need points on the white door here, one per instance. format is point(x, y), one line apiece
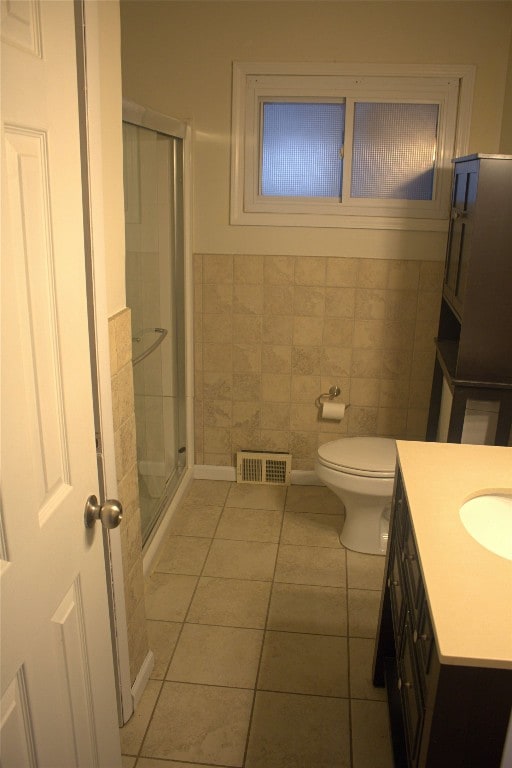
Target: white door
point(57, 682)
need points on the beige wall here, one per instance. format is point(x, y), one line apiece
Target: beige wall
point(274, 332)
point(283, 313)
point(177, 59)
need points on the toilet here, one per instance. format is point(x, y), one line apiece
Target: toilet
point(361, 472)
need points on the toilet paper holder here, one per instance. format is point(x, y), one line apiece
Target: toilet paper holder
point(333, 392)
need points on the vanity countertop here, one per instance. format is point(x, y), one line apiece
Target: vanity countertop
point(469, 589)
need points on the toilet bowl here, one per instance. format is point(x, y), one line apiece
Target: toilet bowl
point(361, 472)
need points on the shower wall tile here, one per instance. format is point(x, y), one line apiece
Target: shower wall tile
point(248, 269)
point(310, 270)
point(342, 272)
point(120, 337)
point(217, 269)
point(278, 270)
point(404, 274)
point(373, 273)
point(277, 331)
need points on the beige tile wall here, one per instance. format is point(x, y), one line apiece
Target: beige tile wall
point(273, 332)
point(128, 490)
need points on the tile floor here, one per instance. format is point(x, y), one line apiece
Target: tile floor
point(263, 627)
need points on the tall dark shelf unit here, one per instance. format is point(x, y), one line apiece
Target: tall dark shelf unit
point(474, 341)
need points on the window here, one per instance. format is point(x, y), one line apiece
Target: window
point(330, 148)
point(301, 149)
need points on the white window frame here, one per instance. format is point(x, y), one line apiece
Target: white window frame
point(449, 86)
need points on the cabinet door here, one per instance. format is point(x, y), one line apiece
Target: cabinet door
point(459, 240)
point(410, 695)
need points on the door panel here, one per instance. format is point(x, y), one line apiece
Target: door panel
point(57, 683)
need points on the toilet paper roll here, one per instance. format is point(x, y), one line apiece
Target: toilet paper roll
point(333, 411)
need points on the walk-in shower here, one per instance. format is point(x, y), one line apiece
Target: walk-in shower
point(155, 292)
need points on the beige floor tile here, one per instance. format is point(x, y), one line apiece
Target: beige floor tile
point(241, 560)
point(316, 610)
point(183, 554)
point(201, 723)
point(311, 529)
point(207, 492)
point(162, 638)
point(314, 499)
point(250, 524)
point(312, 664)
point(365, 571)
point(296, 730)
point(192, 520)
point(217, 656)
point(168, 596)
point(128, 761)
point(363, 612)
point(133, 732)
point(361, 662)
point(371, 738)
point(321, 566)
point(230, 602)
point(256, 496)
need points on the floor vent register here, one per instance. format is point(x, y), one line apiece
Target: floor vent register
point(263, 467)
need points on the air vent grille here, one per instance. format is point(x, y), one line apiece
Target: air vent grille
point(262, 467)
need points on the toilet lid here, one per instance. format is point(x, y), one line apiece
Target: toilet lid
point(368, 456)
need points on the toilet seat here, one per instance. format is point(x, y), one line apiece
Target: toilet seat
point(362, 456)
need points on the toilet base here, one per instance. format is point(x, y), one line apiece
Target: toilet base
point(367, 502)
point(368, 532)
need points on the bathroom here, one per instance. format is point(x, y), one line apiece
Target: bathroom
point(322, 296)
point(282, 312)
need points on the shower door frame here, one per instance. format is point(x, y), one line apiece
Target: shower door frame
point(146, 118)
point(142, 117)
point(138, 115)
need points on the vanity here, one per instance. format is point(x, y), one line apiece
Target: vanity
point(444, 640)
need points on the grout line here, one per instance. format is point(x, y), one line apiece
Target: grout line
point(349, 676)
point(251, 714)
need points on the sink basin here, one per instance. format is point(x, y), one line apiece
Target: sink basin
point(488, 519)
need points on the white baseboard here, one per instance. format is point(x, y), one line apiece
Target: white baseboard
point(211, 472)
point(305, 477)
point(142, 678)
point(151, 548)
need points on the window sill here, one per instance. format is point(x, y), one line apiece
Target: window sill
point(338, 220)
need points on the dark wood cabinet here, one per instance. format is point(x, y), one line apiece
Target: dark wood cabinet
point(474, 341)
point(442, 715)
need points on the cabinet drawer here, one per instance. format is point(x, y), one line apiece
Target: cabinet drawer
point(410, 694)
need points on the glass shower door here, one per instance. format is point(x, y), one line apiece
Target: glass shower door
point(153, 180)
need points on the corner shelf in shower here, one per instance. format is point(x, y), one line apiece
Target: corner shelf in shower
point(162, 333)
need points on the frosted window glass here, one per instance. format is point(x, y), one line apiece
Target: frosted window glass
point(394, 151)
point(301, 149)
